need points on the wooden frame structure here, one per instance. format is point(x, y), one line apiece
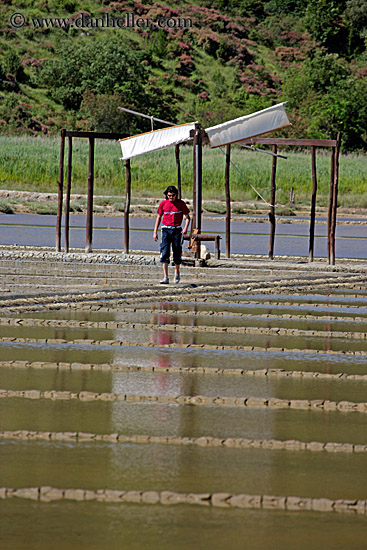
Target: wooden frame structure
point(91, 136)
point(199, 137)
point(334, 182)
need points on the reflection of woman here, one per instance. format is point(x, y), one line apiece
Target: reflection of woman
point(164, 336)
point(166, 358)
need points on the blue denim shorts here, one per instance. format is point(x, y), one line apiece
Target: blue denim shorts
point(171, 237)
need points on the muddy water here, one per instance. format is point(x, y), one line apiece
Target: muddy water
point(182, 384)
point(256, 308)
point(93, 465)
point(164, 337)
point(184, 468)
point(248, 320)
point(166, 528)
point(184, 358)
point(253, 320)
point(161, 419)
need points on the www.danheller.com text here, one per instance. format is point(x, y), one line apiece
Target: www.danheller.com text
point(84, 21)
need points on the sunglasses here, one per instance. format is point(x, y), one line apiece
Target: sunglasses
point(171, 194)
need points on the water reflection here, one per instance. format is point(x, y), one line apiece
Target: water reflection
point(160, 383)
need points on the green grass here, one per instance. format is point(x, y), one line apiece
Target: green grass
point(41, 208)
point(216, 208)
point(32, 164)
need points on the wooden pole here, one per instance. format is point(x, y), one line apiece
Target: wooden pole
point(198, 173)
point(228, 201)
point(68, 191)
point(127, 206)
point(313, 204)
point(330, 210)
point(194, 150)
point(60, 191)
point(178, 166)
point(272, 202)
point(335, 201)
point(89, 228)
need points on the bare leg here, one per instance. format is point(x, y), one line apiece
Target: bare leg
point(177, 268)
point(165, 270)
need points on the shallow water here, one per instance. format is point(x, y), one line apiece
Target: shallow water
point(135, 527)
point(181, 384)
point(163, 337)
point(256, 308)
point(184, 421)
point(182, 468)
point(164, 357)
point(197, 320)
point(93, 465)
point(263, 308)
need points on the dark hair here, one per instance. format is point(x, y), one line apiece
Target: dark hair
point(171, 189)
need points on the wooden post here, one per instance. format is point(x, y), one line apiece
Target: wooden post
point(198, 174)
point(335, 201)
point(60, 191)
point(198, 184)
point(68, 190)
point(272, 202)
point(217, 247)
point(127, 206)
point(228, 201)
point(193, 225)
point(313, 204)
point(330, 210)
point(178, 166)
point(89, 225)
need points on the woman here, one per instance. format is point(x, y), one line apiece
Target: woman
point(172, 210)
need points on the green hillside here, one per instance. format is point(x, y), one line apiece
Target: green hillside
point(209, 61)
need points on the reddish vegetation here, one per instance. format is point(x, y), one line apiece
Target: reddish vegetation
point(257, 80)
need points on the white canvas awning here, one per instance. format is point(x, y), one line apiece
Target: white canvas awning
point(246, 127)
point(153, 141)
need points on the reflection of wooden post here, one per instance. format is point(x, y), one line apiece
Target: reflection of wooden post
point(335, 201)
point(127, 206)
point(178, 166)
point(217, 247)
point(330, 210)
point(89, 232)
point(68, 191)
point(60, 191)
point(272, 202)
point(193, 225)
point(197, 194)
point(228, 201)
point(199, 171)
point(313, 204)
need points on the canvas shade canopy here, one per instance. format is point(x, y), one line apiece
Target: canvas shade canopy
point(155, 140)
point(248, 126)
point(232, 131)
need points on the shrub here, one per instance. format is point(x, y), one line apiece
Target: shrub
point(216, 208)
point(5, 207)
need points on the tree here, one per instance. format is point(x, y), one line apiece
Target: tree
point(326, 98)
point(103, 66)
point(355, 18)
point(324, 21)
